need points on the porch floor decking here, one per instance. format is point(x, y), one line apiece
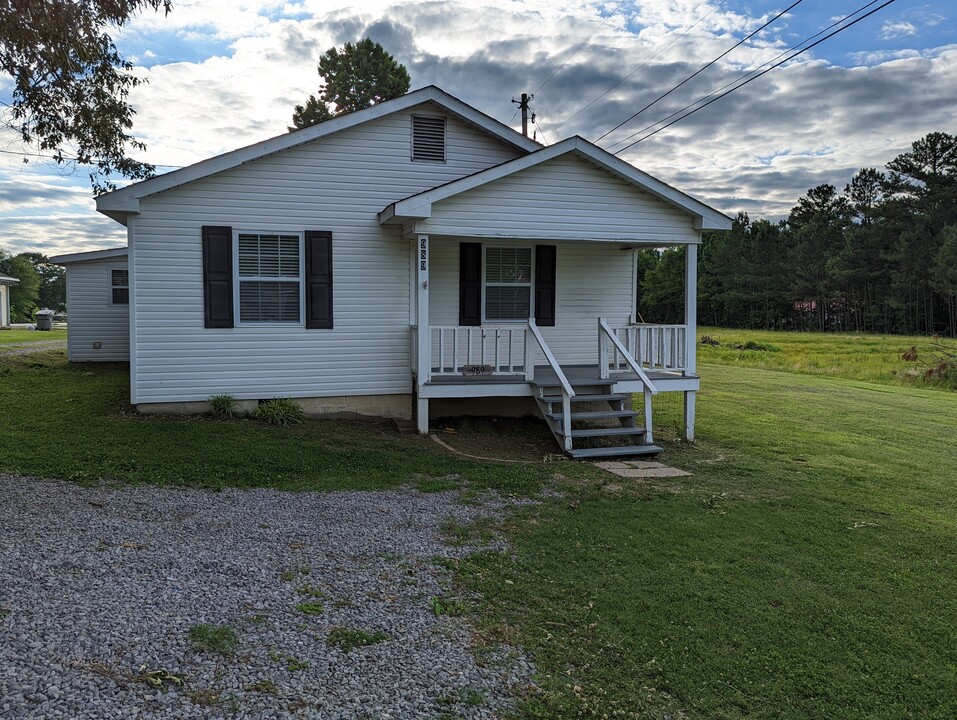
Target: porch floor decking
point(544, 375)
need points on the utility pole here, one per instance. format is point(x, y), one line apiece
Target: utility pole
point(523, 106)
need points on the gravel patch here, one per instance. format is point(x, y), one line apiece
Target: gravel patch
point(99, 588)
point(34, 347)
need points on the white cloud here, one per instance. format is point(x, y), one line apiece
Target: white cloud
point(758, 150)
point(891, 30)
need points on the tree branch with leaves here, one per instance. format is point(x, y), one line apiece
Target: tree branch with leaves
point(71, 84)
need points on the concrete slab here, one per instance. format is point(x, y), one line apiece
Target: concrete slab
point(640, 469)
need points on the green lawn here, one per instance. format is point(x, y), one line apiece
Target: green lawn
point(805, 570)
point(857, 356)
point(73, 420)
point(25, 337)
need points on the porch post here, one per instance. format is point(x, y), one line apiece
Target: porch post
point(423, 336)
point(691, 327)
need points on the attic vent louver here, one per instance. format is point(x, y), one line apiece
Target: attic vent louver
point(428, 138)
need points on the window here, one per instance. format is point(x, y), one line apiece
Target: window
point(508, 283)
point(428, 138)
point(119, 286)
point(269, 270)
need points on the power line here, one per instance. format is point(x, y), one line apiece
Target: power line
point(72, 159)
point(672, 42)
point(763, 72)
point(584, 43)
point(741, 77)
point(700, 70)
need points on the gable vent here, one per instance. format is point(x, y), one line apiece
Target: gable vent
point(428, 138)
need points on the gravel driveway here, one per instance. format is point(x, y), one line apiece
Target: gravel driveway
point(99, 588)
point(33, 347)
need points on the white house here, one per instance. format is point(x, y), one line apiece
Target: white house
point(98, 305)
point(6, 282)
point(411, 259)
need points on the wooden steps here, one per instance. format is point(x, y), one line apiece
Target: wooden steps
point(625, 439)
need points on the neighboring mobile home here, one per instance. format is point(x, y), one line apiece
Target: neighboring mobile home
point(98, 305)
point(414, 258)
point(6, 282)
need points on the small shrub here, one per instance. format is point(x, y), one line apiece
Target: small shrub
point(708, 340)
point(220, 639)
point(348, 639)
point(222, 406)
point(281, 412)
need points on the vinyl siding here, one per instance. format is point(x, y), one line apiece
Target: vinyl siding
point(565, 198)
point(338, 183)
point(592, 280)
point(90, 315)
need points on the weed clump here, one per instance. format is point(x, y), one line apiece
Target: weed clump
point(281, 412)
point(220, 639)
point(348, 639)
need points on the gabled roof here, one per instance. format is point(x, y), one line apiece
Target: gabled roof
point(7, 280)
point(118, 203)
point(89, 255)
point(419, 206)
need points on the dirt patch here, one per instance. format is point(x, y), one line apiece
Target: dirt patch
point(501, 438)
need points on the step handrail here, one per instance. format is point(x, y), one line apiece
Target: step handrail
point(603, 327)
point(566, 386)
point(567, 391)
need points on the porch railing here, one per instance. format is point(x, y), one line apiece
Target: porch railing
point(655, 347)
point(458, 349)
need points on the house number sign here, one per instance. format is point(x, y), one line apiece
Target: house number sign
point(423, 254)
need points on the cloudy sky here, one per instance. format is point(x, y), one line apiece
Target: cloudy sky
point(227, 73)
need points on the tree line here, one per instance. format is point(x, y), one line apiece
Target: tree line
point(881, 256)
point(42, 284)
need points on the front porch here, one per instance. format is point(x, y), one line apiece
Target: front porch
point(524, 280)
point(510, 361)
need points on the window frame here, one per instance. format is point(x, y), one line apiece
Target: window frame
point(238, 280)
point(111, 287)
point(531, 283)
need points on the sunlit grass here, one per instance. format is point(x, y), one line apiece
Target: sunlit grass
point(874, 358)
point(25, 337)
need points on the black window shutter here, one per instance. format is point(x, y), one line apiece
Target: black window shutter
point(318, 279)
point(470, 283)
point(218, 276)
point(545, 285)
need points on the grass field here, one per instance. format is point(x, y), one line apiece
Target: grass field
point(856, 356)
point(25, 337)
point(804, 570)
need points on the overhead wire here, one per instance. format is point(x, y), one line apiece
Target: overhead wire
point(629, 75)
point(70, 159)
point(699, 70)
point(583, 44)
point(717, 96)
